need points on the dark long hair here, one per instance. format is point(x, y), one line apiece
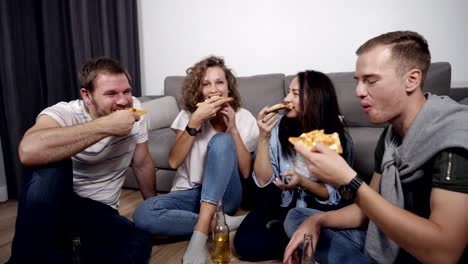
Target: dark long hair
point(319, 110)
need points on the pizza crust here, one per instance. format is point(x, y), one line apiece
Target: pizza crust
point(278, 107)
point(219, 98)
point(138, 111)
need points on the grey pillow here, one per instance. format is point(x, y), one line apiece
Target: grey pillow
point(161, 112)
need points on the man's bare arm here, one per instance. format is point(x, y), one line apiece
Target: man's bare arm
point(143, 168)
point(440, 239)
point(48, 142)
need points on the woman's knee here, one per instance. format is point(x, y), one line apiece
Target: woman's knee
point(147, 216)
point(296, 217)
point(220, 143)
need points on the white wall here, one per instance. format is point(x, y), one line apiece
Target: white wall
point(287, 36)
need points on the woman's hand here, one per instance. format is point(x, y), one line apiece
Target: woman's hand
point(310, 226)
point(229, 117)
point(294, 180)
point(266, 122)
point(207, 111)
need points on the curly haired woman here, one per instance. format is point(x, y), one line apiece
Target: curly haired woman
point(212, 150)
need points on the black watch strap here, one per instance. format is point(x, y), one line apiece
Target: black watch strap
point(192, 131)
point(348, 191)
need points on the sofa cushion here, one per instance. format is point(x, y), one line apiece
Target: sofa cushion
point(160, 142)
point(260, 90)
point(464, 101)
point(438, 78)
point(161, 112)
point(173, 87)
point(256, 91)
point(364, 140)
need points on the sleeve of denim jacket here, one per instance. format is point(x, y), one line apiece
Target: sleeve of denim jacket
point(274, 158)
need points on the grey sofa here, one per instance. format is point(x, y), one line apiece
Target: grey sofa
point(262, 90)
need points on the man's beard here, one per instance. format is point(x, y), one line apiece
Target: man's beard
point(99, 111)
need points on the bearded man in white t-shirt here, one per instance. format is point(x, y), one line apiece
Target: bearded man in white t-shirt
point(78, 153)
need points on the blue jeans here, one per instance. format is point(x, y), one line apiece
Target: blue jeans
point(176, 213)
point(334, 246)
point(51, 217)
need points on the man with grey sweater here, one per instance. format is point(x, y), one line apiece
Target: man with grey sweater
point(415, 204)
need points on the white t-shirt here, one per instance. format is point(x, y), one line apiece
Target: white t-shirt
point(190, 173)
point(98, 171)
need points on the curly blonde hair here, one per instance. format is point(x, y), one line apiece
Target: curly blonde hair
point(192, 85)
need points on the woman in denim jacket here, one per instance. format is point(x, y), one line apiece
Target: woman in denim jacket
point(315, 106)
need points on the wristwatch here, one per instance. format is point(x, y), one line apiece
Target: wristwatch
point(192, 131)
point(348, 191)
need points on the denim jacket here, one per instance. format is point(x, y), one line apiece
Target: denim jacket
point(281, 163)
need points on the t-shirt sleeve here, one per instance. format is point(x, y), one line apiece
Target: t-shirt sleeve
point(181, 121)
point(450, 170)
point(61, 112)
point(142, 126)
point(379, 151)
point(248, 129)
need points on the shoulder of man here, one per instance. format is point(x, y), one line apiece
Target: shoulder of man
point(450, 170)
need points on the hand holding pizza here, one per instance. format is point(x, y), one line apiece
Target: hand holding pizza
point(326, 164)
point(119, 123)
point(266, 121)
point(208, 109)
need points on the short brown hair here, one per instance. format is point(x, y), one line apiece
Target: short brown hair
point(409, 50)
point(90, 70)
point(191, 87)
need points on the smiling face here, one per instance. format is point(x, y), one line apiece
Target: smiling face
point(215, 83)
point(111, 92)
point(293, 98)
point(379, 85)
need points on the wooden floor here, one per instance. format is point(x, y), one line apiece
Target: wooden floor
point(164, 253)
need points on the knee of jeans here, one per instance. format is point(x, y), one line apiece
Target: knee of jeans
point(49, 186)
point(220, 143)
point(295, 218)
point(146, 217)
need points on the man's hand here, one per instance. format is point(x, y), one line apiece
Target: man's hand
point(310, 226)
point(326, 164)
point(266, 122)
point(119, 123)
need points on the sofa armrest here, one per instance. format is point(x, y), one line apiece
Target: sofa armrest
point(161, 112)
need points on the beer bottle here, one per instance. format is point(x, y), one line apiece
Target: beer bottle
point(222, 252)
point(308, 256)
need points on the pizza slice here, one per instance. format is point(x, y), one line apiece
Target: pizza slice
point(138, 111)
point(279, 106)
point(219, 98)
point(311, 138)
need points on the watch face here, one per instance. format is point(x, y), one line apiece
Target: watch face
point(345, 192)
point(191, 131)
